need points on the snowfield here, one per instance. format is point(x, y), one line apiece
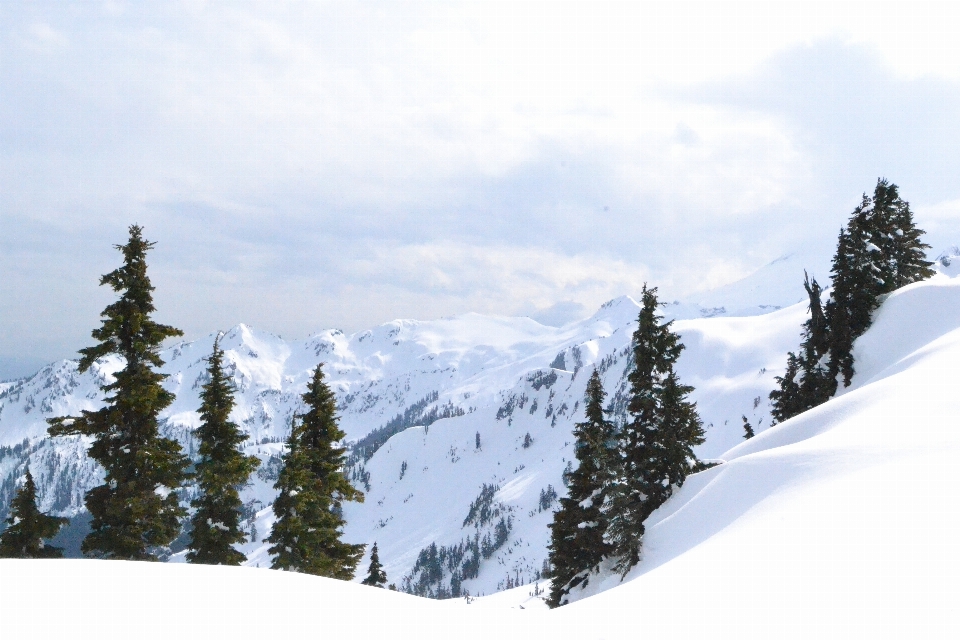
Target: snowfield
point(841, 522)
point(435, 387)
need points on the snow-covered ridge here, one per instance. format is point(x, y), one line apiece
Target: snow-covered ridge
point(838, 522)
point(434, 386)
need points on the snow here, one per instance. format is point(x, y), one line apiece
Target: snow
point(838, 522)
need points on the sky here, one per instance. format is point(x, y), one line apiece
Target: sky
point(303, 166)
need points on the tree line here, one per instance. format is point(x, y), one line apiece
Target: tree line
point(136, 512)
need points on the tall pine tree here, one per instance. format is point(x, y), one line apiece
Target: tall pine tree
point(312, 485)
point(222, 470)
point(816, 383)
point(878, 252)
point(577, 544)
point(27, 527)
point(376, 576)
point(903, 253)
point(136, 510)
point(656, 444)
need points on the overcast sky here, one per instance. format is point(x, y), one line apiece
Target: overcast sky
point(305, 166)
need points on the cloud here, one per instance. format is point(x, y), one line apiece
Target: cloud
point(339, 164)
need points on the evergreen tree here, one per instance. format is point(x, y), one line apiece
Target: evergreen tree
point(136, 511)
point(312, 485)
point(656, 444)
point(903, 253)
point(878, 252)
point(577, 542)
point(222, 470)
point(816, 384)
point(747, 429)
point(376, 576)
point(27, 527)
point(786, 398)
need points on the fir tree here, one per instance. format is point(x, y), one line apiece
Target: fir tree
point(785, 400)
point(136, 511)
point(903, 254)
point(27, 527)
point(376, 576)
point(816, 383)
point(312, 485)
point(747, 429)
point(222, 470)
point(878, 252)
point(577, 542)
point(656, 444)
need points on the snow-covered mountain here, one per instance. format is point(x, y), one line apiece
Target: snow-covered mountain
point(415, 398)
point(837, 523)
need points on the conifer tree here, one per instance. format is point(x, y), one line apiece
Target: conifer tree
point(747, 429)
point(656, 444)
point(878, 252)
point(786, 398)
point(903, 253)
point(27, 527)
point(376, 576)
point(312, 485)
point(135, 511)
point(222, 470)
point(577, 544)
point(816, 383)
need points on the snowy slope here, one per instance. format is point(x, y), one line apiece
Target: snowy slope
point(841, 521)
point(838, 523)
point(434, 386)
point(501, 378)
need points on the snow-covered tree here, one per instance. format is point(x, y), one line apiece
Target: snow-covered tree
point(136, 510)
point(312, 485)
point(376, 576)
point(577, 544)
point(894, 232)
point(27, 527)
point(747, 429)
point(655, 446)
point(878, 252)
point(222, 470)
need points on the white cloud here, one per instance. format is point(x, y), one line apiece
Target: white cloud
point(434, 158)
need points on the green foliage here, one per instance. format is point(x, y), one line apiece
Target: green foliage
point(312, 485)
point(747, 429)
point(376, 576)
point(878, 252)
point(136, 511)
point(222, 470)
point(786, 398)
point(656, 445)
point(577, 544)
point(27, 527)
point(817, 382)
